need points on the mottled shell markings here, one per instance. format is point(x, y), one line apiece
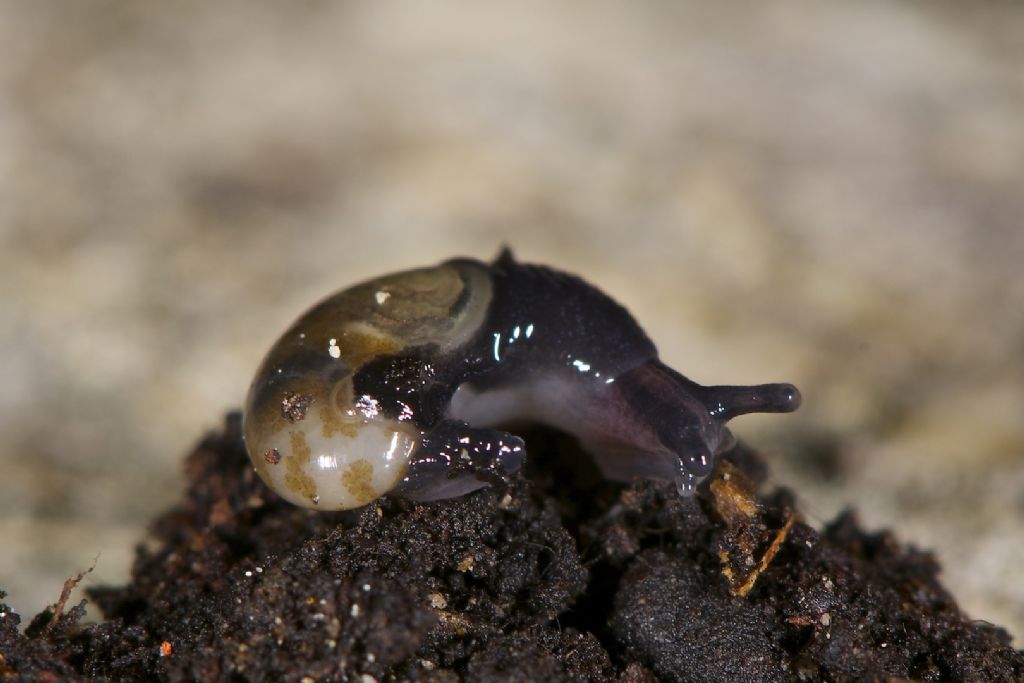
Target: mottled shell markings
point(358, 481)
point(396, 385)
point(307, 424)
point(297, 479)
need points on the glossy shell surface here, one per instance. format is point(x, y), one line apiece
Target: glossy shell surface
point(310, 438)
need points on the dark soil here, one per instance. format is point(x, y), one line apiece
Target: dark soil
point(561, 577)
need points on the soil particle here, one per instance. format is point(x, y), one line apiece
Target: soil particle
point(688, 629)
point(294, 406)
point(561, 577)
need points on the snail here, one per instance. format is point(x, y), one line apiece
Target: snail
point(397, 386)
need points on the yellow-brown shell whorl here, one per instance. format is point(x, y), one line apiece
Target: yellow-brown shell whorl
point(309, 437)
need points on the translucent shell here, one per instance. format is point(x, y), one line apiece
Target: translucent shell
point(309, 437)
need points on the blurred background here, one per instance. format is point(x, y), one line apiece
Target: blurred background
point(824, 193)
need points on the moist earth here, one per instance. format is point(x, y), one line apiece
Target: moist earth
point(562, 576)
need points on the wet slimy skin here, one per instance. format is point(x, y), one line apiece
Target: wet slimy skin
point(396, 386)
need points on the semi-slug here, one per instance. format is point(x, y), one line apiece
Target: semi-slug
point(395, 386)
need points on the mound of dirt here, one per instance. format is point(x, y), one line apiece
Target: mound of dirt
point(563, 576)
